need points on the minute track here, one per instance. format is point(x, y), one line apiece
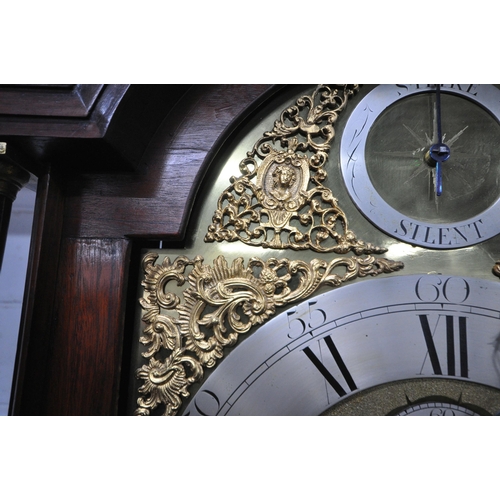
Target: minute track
point(378, 338)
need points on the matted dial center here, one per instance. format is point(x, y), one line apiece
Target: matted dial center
point(400, 149)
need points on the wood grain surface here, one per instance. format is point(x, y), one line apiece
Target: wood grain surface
point(91, 219)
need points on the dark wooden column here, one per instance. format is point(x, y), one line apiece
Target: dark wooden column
point(100, 199)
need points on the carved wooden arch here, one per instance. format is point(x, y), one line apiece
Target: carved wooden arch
point(88, 216)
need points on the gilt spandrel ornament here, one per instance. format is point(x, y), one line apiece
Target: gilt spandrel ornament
point(280, 201)
point(496, 269)
point(186, 332)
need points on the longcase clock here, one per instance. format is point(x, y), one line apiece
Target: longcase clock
point(341, 261)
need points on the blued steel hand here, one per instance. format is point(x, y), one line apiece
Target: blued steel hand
point(438, 152)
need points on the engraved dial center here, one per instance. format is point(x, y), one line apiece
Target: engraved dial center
point(400, 148)
point(437, 409)
point(387, 163)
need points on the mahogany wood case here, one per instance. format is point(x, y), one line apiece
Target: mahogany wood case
point(118, 168)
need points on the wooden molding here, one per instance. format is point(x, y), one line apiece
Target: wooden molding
point(58, 110)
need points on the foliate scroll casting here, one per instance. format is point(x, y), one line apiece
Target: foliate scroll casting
point(186, 331)
point(496, 269)
point(280, 201)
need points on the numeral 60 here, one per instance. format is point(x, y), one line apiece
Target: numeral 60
point(432, 288)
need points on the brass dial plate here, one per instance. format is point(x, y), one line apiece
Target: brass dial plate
point(358, 337)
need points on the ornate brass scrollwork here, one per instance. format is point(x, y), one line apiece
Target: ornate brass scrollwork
point(496, 269)
point(280, 201)
point(185, 335)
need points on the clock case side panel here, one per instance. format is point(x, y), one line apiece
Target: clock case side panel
point(73, 363)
